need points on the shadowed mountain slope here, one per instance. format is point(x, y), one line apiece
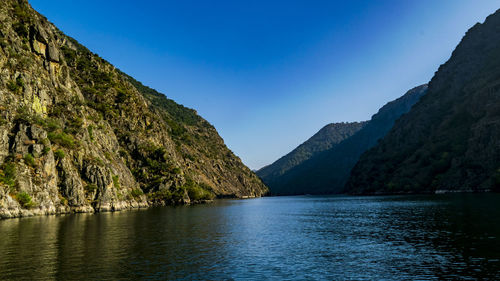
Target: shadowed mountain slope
point(451, 139)
point(328, 171)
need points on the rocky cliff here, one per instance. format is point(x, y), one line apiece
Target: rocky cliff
point(78, 135)
point(450, 140)
point(327, 171)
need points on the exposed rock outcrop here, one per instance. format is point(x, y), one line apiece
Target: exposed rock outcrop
point(78, 135)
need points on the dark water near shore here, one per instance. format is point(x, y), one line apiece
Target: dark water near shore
point(305, 238)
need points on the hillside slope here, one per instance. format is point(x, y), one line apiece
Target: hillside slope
point(76, 134)
point(328, 171)
point(329, 136)
point(451, 139)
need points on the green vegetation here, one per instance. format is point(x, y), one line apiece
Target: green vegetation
point(15, 85)
point(29, 160)
point(20, 29)
point(62, 139)
point(171, 196)
point(116, 182)
point(59, 154)
point(23, 115)
point(177, 113)
point(25, 200)
point(195, 191)
point(64, 201)
point(198, 191)
point(90, 130)
point(25, 62)
point(74, 125)
point(136, 193)
point(21, 12)
point(69, 55)
point(23, 17)
point(158, 166)
point(8, 174)
point(122, 95)
point(12, 86)
point(50, 125)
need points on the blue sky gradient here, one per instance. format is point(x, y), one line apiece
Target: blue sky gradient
point(269, 74)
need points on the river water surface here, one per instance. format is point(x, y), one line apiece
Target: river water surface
point(277, 238)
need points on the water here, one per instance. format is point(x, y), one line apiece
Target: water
point(302, 238)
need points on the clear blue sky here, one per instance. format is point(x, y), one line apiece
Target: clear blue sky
point(269, 74)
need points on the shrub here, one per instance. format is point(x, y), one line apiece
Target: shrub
point(29, 160)
point(23, 115)
point(59, 154)
point(62, 139)
point(8, 174)
point(12, 86)
point(122, 96)
point(90, 129)
point(20, 29)
point(25, 200)
point(197, 191)
point(20, 82)
point(51, 125)
point(21, 12)
point(69, 55)
point(172, 196)
point(76, 122)
point(45, 150)
point(116, 182)
point(136, 192)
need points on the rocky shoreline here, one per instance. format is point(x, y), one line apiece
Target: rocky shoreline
point(14, 210)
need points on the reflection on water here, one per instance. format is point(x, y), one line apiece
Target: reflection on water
point(399, 237)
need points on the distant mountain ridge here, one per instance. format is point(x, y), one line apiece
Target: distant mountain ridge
point(327, 171)
point(326, 138)
point(450, 140)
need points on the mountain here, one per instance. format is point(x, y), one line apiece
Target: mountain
point(78, 135)
point(326, 138)
point(327, 171)
point(450, 140)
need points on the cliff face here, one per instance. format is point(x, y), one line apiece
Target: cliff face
point(324, 139)
point(76, 134)
point(451, 139)
point(328, 171)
